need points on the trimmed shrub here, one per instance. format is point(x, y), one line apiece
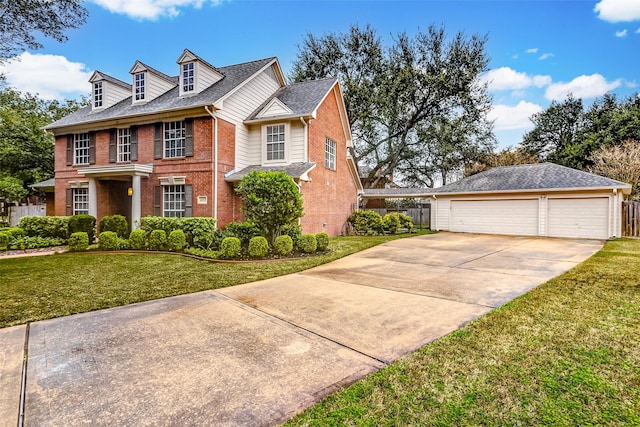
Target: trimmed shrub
point(46, 226)
point(108, 241)
point(83, 222)
point(366, 222)
point(177, 241)
point(243, 231)
point(292, 230)
point(138, 240)
point(199, 231)
point(115, 223)
point(406, 222)
point(78, 241)
point(230, 247)
point(283, 245)
point(5, 239)
point(308, 243)
point(36, 242)
point(322, 239)
point(258, 247)
point(157, 240)
point(123, 244)
point(14, 232)
point(391, 222)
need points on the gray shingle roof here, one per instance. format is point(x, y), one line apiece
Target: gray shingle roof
point(301, 98)
point(234, 75)
point(49, 184)
point(529, 177)
point(115, 81)
point(294, 170)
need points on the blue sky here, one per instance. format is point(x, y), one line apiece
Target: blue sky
point(540, 50)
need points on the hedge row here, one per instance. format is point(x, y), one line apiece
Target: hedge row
point(367, 222)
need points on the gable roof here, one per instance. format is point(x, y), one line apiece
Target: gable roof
point(301, 98)
point(99, 76)
point(541, 176)
point(234, 76)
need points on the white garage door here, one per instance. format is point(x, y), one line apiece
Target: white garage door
point(581, 218)
point(495, 216)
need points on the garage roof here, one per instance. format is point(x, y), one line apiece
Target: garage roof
point(541, 176)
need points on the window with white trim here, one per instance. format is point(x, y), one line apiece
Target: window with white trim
point(188, 77)
point(80, 200)
point(329, 153)
point(124, 145)
point(139, 86)
point(81, 149)
point(275, 142)
point(173, 201)
point(97, 95)
point(174, 139)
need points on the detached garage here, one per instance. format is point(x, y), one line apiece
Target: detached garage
point(532, 200)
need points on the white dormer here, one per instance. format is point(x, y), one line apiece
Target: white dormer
point(196, 74)
point(148, 83)
point(107, 91)
point(274, 108)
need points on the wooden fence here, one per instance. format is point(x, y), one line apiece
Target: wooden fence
point(631, 219)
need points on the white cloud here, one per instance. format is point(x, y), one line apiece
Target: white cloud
point(151, 9)
point(618, 10)
point(50, 76)
point(532, 50)
point(506, 78)
point(621, 33)
point(545, 56)
point(508, 117)
point(638, 31)
point(581, 87)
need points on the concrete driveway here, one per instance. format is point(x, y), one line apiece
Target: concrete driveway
point(256, 354)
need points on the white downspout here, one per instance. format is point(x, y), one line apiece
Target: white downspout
point(214, 160)
point(306, 140)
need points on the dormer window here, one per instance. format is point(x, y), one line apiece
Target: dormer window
point(97, 95)
point(139, 86)
point(188, 77)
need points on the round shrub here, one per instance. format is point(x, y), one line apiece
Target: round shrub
point(78, 241)
point(308, 243)
point(5, 239)
point(366, 222)
point(258, 247)
point(177, 241)
point(83, 222)
point(138, 240)
point(283, 245)
point(322, 240)
point(157, 240)
point(391, 222)
point(230, 247)
point(108, 241)
point(123, 243)
point(116, 223)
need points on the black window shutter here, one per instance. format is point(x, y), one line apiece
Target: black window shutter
point(69, 192)
point(92, 148)
point(157, 200)
point(188, 200)
point(157, 141)
point(113, 134)
point(188, 138)
point(134, 143)
point(69, 150)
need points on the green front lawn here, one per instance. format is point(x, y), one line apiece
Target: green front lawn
point(38, 288)
point(566, 353)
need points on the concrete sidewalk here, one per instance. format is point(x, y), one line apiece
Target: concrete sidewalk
point(256, 354)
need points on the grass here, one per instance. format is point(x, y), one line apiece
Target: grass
point(566, 353)
point(38, 288)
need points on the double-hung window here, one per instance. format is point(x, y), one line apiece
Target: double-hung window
point(81, 149)
point(173, 201)
point(275, 142)
point(97, 95)
point(139, 86)
point(188, 77)
point(124, 145)
point(80, 201)
point(329, 153)
point(174, 139)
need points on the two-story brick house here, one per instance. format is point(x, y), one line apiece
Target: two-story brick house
point(176, 146)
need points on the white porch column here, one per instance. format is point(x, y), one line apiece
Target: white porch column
point(136, 202)
point(93, 199)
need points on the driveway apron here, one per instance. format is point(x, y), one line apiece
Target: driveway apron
point(256, 354)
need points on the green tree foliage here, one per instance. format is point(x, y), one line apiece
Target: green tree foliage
point(26, 150)
point(20, 20)
point(271, 200)
point(416, 108)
